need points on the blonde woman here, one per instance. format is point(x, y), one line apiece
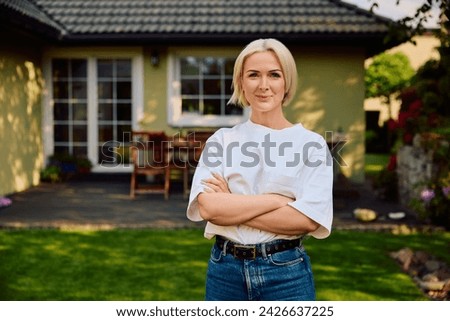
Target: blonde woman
point(262, 186)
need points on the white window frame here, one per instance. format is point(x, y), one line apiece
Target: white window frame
point(175, 115)
point(91, 55)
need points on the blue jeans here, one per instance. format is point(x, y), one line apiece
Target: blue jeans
point(282, 276)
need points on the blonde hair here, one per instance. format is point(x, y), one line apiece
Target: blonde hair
point(285, 59)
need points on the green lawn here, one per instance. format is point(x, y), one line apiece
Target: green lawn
point(374, 163)
point(170, 265)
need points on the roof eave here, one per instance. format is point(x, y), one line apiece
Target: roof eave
point(23, 22)
point(373, 40)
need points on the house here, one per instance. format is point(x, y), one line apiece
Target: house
point(78, 76)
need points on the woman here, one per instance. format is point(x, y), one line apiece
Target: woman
point(262, 186)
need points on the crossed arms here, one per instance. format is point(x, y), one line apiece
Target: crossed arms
point(267, 212)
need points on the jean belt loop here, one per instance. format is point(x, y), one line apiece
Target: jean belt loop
point(263, 250)
point(225, 247)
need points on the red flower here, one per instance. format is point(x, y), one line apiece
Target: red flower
point(403, 118)
point(415, 107)
point(408, 138)
point(392, 163)
point(392, 124)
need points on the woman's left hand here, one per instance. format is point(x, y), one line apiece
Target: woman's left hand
point(216, 184)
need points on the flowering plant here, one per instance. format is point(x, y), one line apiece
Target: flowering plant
point(433, 204)
point(414, 117)
point(5, 202)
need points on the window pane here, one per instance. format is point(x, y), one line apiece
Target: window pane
point(61, 150)
point(212, 66)
point(229, 65)
point(189, 66)
point(79, 111)
point(206, 85)
point(124, 112)
point(228, 87)
point(105, 133)
point(211, 86)
point(124, 68)
point(211, 107)
point(105, 90)
point(109, 153)
point(61, 90)
point(80, 151)
point(79, 133)
point(190, 87)
point(61, 133)
point(105, 68)
point(233, 110)
point(124, 90)
point(79, 90)
point(61, 111)
point(79, 68)
point(190, 105)
point(105, 111)
point(123, 132)
point(60, 68)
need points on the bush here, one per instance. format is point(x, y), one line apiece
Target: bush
point(51, 174)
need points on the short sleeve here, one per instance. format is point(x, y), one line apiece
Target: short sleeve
point(210, 162)
point(314, 197)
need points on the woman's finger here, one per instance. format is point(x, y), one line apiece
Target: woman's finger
point(222, 183)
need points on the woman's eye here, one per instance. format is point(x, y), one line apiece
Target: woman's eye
point(275, 75)
point(253, 75)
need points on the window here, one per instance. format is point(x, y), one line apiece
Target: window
point(204, 90)
point(92, 105)
point(114, 109)
point(69, 77)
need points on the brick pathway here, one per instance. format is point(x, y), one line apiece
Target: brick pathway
point(102, 202)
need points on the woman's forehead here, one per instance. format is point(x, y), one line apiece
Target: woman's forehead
point(262, 60)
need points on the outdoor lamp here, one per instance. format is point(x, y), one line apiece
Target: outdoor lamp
point(154, 58)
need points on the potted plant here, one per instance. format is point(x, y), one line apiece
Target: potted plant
point(84, 165)
point(51, 173)
point(66, 162)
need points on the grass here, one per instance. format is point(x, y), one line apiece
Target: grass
point(374, 163)
point(170, 265)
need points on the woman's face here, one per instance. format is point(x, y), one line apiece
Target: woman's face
point(263, 82)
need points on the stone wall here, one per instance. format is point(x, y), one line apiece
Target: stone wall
point(414, 168)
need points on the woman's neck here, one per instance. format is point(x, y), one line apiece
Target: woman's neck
point(270, 120)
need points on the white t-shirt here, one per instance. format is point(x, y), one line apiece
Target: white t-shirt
point(254, 160)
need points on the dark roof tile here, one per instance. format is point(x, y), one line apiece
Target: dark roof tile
point(210, 16)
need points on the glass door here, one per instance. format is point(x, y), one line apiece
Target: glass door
point(114, 118)
point(92, 110)
point(70, 122)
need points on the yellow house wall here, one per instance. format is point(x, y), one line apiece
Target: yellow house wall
point(155, 93)
point(329, 98)
point(21, 82)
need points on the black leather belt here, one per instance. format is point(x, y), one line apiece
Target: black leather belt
point(252, 251)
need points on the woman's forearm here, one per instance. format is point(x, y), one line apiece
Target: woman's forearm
point(285, 220)
point(233, 209)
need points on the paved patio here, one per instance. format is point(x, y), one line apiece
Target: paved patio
point(101, 201)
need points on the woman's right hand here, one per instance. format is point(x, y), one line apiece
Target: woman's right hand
point(216, 184)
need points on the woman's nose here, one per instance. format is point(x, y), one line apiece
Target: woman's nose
point(263, 84)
